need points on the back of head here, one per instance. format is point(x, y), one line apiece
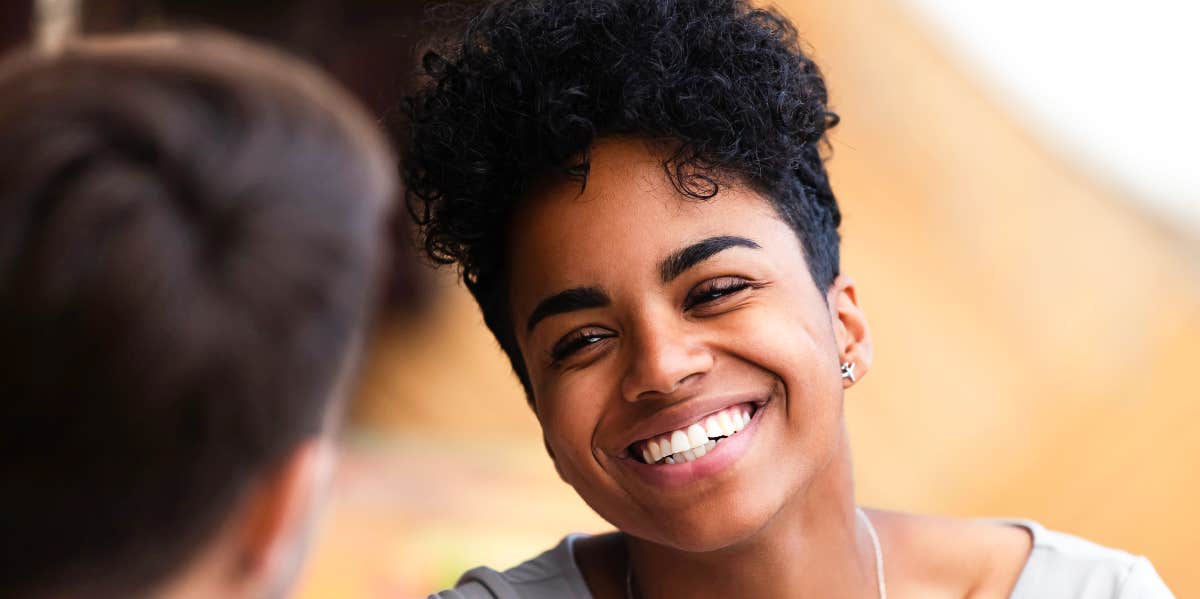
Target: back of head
point(189, 231)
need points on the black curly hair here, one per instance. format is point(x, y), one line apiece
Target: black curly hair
point(530, 85)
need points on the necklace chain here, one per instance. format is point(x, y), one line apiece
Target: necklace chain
point(878, 552)
point(870, 531)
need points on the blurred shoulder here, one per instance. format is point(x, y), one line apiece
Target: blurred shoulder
point(553, 574)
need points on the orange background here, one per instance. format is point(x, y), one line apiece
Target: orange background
point(1035, 335)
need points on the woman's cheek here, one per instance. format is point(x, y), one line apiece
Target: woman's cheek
point(767, 335)
point(573, 407)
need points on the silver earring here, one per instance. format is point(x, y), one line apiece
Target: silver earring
point(848, 371)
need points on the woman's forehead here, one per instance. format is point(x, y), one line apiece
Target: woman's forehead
point(628, 217)
point(628, 191)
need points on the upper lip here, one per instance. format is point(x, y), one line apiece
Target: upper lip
point(683, 414)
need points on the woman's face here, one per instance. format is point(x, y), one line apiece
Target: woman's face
point(641, 313)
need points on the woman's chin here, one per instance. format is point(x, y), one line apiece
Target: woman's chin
point(711, 527)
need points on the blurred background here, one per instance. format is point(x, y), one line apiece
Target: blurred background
point(1022, 217)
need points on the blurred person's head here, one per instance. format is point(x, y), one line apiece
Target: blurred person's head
point(635, 194)
point(190, 230)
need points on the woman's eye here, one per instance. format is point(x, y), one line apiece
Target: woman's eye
point(576, 341)
point(713, 290)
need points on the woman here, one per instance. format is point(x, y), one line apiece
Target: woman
point(635, 195)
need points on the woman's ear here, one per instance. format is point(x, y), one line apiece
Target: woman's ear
point(850, 328)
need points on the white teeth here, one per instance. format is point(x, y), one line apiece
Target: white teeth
point(686, 445)
point(655, 451)
point(712, 426)
point(679, 442)
point(727, 425)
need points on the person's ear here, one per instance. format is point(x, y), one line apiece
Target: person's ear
point(280, 513)
point(850, 329)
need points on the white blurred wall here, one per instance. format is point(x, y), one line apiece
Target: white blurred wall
point(1111, 85)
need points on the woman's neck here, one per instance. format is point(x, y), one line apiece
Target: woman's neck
point(816, 546)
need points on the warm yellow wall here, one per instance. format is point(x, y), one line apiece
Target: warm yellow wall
point(1036, 341)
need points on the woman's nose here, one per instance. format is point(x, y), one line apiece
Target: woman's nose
point(664, 358)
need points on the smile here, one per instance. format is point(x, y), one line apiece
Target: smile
point(694, 441)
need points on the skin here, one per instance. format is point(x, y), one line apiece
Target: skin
point(746, 322)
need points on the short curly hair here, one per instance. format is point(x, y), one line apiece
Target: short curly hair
point(530, 85)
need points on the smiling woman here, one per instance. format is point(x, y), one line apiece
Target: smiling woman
point(709, 311)
point(635, 193)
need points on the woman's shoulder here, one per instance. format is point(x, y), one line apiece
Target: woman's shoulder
point(1061, 564)
point(936, 556)
point(1021, 559)
point(552, 574)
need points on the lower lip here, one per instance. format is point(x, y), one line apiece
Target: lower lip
point(726, 452)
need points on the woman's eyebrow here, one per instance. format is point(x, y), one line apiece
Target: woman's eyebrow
point(681, 260)
point(578, 298)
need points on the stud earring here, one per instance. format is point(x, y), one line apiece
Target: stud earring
point(848, 371)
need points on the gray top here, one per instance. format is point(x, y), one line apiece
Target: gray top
point(1060, 566)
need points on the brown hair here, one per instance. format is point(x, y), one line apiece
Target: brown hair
point(190, 230)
